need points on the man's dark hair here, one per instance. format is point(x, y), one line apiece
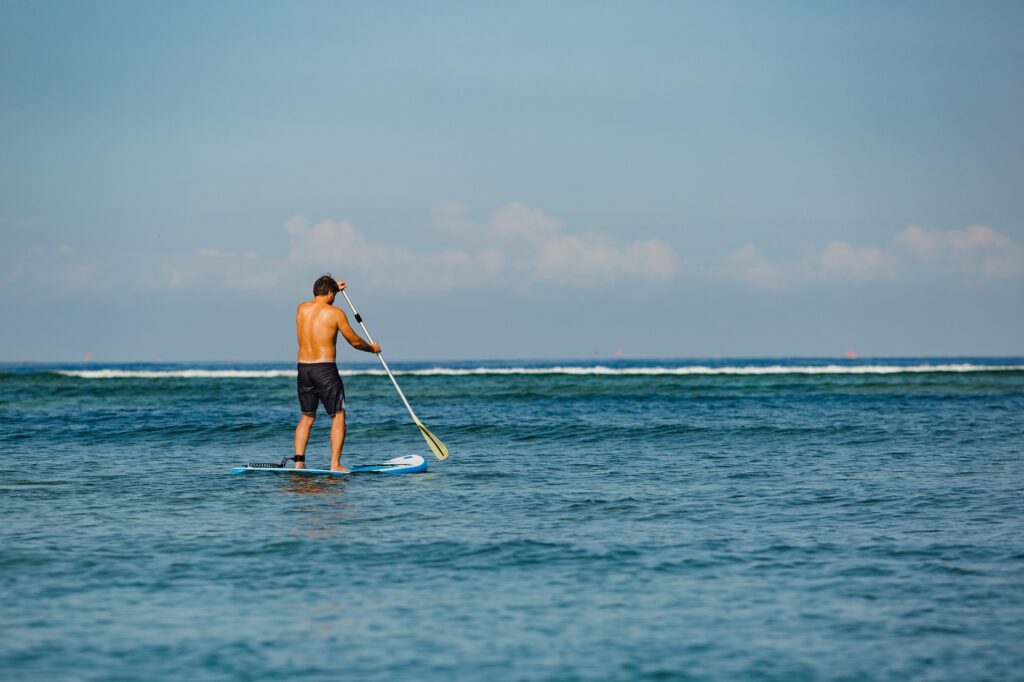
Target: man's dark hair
point(325, 285)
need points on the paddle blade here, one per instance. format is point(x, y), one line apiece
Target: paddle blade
point(436, 446)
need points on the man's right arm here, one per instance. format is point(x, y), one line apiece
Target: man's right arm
point(354, 339)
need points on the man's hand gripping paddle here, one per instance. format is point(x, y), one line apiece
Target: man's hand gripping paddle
point(436, 446)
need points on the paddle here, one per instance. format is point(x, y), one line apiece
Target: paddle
point(436, 446)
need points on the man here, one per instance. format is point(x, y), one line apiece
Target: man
point(317, 324)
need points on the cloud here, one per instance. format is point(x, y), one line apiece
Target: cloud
point(838, 261)
point(514, 243)
point(923, 243)
point(209, 268)
point(842, 259)
point(513, 246)
point(539, 246)
point(977, 250)
point(974, 253)
point(521, 246)
point(518, 245)
point(748, 265)
point(515, 222)
point(339, 247)
point(582, 260)
point(59, 269)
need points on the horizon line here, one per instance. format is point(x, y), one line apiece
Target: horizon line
point(597, 359)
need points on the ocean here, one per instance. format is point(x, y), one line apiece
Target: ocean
point(659, 520)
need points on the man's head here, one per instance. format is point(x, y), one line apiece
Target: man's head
point(325, 286)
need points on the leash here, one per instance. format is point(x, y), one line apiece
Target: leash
point(276, 465)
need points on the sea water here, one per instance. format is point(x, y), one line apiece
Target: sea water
point(696, 520)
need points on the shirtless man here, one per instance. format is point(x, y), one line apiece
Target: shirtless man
point(317, 324)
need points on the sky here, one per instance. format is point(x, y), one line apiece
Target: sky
point(512, 180)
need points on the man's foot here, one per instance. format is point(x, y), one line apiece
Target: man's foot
point(300, 461)
point(344, 470)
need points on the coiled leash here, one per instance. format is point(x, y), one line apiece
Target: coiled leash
point(276, 465)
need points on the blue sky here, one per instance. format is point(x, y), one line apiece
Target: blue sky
point(513, 180)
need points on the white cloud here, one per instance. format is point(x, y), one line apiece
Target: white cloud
point(519, 246)
point(211, 267)
point(516, 241)
point(515, 245)
point(977, 237)
point(338, 247)
point(245, 272)
point(974, 252)
point(573, 260)
point(62, 270)
point(653, 258)
point(515, 222)
point(842, 259)
point(977, 250)
point(748, 265)
point(922, 242)
point(540, 247)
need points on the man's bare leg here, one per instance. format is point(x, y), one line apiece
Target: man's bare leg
point(302, 436)
point(337, 441)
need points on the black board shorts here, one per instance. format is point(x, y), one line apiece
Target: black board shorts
point(320, 382)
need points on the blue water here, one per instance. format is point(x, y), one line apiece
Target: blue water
point(649, 521)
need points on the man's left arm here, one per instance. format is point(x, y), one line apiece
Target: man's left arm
point(354, 339)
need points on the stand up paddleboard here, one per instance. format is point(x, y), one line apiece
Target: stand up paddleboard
point(409, 464)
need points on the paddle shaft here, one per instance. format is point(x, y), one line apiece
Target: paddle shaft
point(359, 319)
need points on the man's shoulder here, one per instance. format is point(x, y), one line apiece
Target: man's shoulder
point(319, 309)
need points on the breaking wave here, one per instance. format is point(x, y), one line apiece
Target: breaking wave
point(595, 370)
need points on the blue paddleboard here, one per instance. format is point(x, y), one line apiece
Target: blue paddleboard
point(409, 464)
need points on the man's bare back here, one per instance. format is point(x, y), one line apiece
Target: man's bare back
point(317, 324)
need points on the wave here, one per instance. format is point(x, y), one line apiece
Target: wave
point(177, 373)
point(596, 370)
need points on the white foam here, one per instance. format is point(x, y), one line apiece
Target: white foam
point(177, 373)
point(595, 370)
